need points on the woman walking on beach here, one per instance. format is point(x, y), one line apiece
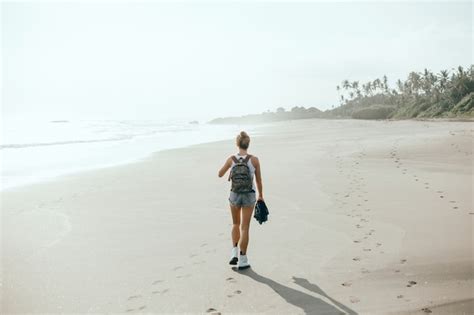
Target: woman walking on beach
point(244, 168)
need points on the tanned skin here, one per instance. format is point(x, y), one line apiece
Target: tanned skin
point(240, 228)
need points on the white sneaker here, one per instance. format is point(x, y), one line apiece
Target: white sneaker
point(234, 256)
point(243, 262)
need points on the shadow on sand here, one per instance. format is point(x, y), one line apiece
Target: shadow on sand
point(308, 303)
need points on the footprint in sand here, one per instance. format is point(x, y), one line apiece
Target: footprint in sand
point(199, 262)
point(133, 297)
point(400, 296)
point(356, 259)
point(363, 270)
point(346, 284)
point(130, 310)
point(192, 255)
point(354, 299)
point(402, 261)
point(213, 311)
point(156, 282)
point(426, 310)
point(160, 292)
point(230, 279)
point(141, 308)
point(203, 244)
point(411, 283)
point(177, 267)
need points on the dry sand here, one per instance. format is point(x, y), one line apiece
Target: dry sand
point(358, 210)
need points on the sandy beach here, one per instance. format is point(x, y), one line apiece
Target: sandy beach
point(366, 217)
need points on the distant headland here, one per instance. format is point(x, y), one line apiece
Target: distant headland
point(423, 95)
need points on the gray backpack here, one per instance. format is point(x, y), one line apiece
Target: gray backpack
point(241, 176)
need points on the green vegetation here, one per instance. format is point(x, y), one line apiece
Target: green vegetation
point(422, 95)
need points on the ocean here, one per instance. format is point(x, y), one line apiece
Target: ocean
point(35, 151)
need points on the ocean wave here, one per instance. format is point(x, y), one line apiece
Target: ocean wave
point(27, 145)
point(84, 132)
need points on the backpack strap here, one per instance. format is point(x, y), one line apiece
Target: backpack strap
point(235, 161)
point(247, 158)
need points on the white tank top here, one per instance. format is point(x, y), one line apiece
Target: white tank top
point(250, 165)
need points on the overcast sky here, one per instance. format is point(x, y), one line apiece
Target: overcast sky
point(203, 60)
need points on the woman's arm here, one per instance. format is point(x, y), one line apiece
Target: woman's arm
point(225, 168)
point(258, 177)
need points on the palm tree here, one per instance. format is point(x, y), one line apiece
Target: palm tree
point(376, 84)
point(367, 88)
point(443, 79)
point(355, 87)
point(400, 86)
point(426, 83)
point(385, 84)
point(414, 80)
point(346, 85)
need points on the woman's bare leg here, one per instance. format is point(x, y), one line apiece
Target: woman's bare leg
point(244, 228)
point(235, 224)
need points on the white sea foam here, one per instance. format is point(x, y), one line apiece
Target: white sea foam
point(33, 151)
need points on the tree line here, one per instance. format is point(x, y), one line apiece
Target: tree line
point(422, 94)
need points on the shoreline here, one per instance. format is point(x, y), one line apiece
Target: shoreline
point(255, 128)
point(149, 233)
point(47, 176)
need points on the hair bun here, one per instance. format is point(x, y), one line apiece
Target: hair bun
point(243, 140)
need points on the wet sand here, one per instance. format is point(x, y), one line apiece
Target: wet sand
point(366, 217)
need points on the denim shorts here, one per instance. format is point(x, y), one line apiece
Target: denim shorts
point(242, 199)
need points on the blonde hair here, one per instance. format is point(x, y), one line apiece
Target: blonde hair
point(243, 140)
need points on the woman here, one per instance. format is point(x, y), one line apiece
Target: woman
point(242, 201)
